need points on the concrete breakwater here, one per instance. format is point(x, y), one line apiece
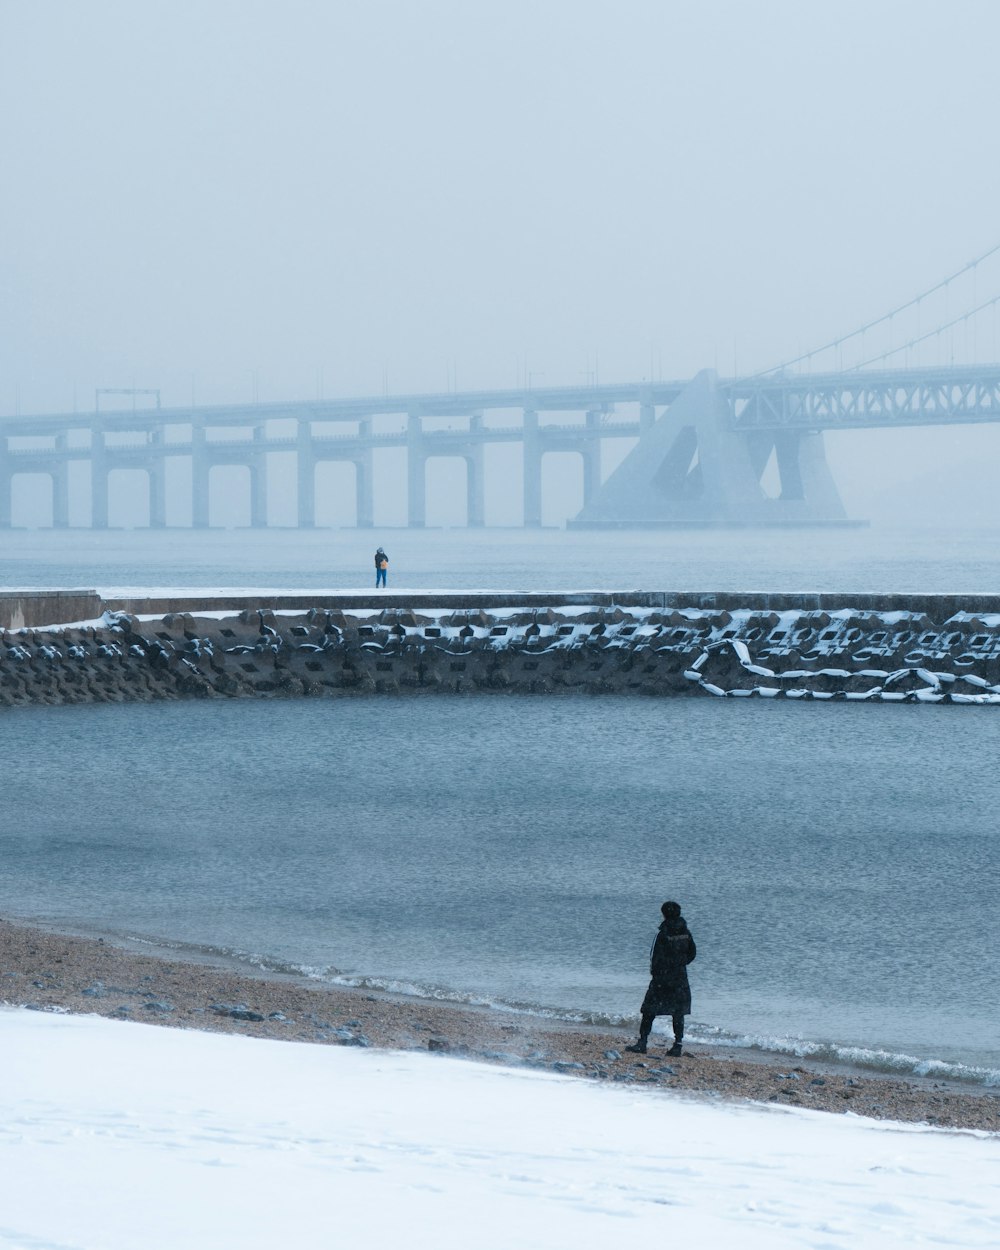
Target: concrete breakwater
point(916, 650)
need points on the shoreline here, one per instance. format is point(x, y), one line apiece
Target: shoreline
point(49, 970)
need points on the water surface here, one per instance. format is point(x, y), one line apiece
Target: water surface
point(838, 864)
point(905, 558)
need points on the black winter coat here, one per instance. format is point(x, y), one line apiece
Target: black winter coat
point(669, 993)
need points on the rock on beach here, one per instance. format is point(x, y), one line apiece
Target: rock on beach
point(97, 977)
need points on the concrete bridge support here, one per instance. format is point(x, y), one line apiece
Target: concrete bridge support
point(592, 459)
point(6, 478)
point(693, 468)
point(200, 468)
point(99, 473)
point(365, 489)
point(101, 465)
point(60, 486)
point(532, 445)
point(416, 474)
point(364, 507)
point(305, 466)
point(809, 470)
point(158, 484)
point(475, 478)
point(258, 480)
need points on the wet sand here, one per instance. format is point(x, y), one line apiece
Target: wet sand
point(52, 971)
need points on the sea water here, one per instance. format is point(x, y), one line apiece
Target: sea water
point(917, 559)
point(838, 863)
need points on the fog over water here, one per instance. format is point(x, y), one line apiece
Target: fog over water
point(237, 200)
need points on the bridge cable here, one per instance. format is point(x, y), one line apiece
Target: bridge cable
point(893, 351)
point(915, 302)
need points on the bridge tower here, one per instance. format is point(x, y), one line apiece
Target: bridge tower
point(691, 467)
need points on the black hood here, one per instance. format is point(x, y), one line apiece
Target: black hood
point(674, 926)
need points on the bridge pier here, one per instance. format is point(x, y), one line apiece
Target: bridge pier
point(532, 445)
point(257, 464)
point(815, 478)
point(364, 507)
point(591, 452)
point(153, 465)
point(787, 447)
point(157, 473)
point(695, 467)
point(416, 473)
point(60, 486)
point(6, 482)
point(475, 477)
point(200, 469)
point(157, 497)
point(305, 469)
point(99, 473)
point(365, 480)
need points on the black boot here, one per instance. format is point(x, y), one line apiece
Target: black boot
point(675, 1051)
point(645, 1028)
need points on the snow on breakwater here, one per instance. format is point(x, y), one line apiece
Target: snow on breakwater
point(926, 649)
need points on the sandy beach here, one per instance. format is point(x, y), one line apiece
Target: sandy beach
point(51, 971)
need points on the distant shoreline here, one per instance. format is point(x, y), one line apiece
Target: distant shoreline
point(53, 971)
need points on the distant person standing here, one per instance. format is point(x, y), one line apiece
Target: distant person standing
point(669, 993)
point(381, 568)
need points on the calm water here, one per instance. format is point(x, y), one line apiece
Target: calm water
point(903, 559)
point(838, 863)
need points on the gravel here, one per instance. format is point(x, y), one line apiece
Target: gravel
point(51, 971)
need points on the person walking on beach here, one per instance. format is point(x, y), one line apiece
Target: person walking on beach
point(381, 567)
point(669, 993)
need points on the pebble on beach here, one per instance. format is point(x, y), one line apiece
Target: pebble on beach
point(97, 977)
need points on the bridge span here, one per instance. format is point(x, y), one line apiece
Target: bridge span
point(701, 445)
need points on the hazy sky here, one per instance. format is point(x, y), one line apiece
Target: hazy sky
point(216, 195)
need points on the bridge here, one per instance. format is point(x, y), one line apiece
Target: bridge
point(701, 445)
point(701, 450)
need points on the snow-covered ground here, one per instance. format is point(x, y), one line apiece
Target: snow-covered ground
point(115, 1136)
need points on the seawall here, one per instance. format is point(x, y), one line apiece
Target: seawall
point(896, 648)
point(27, 608)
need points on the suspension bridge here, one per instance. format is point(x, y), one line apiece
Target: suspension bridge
point(701, 446)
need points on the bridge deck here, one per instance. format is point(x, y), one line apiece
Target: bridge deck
point(889, 397)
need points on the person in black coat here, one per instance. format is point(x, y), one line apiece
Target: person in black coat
point(669, 993)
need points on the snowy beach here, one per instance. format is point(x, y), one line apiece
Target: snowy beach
point(120, 1134)
point(59, 973)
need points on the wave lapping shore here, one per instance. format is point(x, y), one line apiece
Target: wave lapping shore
point(51, 971)
point(855, 654)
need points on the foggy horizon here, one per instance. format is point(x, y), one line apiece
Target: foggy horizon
point(231, 202)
